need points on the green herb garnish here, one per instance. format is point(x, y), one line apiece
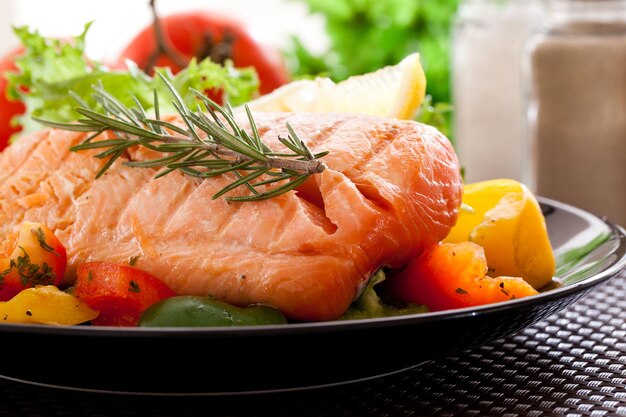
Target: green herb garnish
point(41, 238)
point(209, 145)
point(569, 259)
point(578, 263)
point(29, 273)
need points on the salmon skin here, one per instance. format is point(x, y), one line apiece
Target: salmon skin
point(391, 189)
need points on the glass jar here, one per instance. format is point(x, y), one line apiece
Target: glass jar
point(576, 74)
point(489, 124)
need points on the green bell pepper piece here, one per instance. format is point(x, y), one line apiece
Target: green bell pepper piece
point(198, 311)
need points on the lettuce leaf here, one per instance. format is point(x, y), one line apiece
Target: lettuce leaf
point(370, 305)
point(51, 68)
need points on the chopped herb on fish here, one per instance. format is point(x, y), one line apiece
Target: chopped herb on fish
point(41, 238)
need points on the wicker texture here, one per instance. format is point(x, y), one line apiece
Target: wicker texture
point(571, 364)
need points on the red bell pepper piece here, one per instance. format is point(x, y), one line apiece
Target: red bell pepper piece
point(120, 293)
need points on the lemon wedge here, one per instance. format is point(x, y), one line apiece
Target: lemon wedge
point(506, 220)
point(394, 91)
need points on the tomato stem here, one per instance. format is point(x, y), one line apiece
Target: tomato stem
point(218, 52)
point(162, 44)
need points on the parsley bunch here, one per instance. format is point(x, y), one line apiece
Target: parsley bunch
point(366, 35)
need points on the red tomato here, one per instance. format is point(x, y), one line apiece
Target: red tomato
point(454, 275)
point(34, 257)
point(188, 33)
point(120, 293)
point(8, 109)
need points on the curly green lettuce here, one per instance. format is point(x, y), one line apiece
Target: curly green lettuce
point(50, 68)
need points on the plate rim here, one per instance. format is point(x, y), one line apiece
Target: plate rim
point(617, 231)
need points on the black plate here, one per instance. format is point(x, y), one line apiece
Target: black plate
point(223, 361)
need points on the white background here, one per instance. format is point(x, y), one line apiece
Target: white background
point(117, 21)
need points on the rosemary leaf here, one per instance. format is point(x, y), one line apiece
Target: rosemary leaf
point(301, 145)
point(299, 180)
point(97, 145)
point(72, 127)
point(155, 163)
point(122, 147)
point(240, 181)
point(292, 146)
point(188, 122)
point(189, 171)
point(116, 106)
point(147, 143)
point(208, 163)
point(255, 130)
point(108, 164)
point(175, 147)
point(117, 124)
point(281, 177)
point(164, 172)
point(232, 168)
point(92, 137)
point(82, 103)
point(244, 135)
point(140, 114)
point(157, 112)
point(247, 184)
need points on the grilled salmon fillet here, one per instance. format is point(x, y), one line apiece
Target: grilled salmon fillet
point(391, 189)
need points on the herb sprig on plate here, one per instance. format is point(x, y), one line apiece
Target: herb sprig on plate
point(211, 143)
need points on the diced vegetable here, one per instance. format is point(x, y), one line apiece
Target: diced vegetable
point(45, 305)
point(454, 275)
point(197, 311)
point(506, 220)
point(34, 256)
point(120, 293)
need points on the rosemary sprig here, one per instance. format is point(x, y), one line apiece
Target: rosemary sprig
point(212, 143)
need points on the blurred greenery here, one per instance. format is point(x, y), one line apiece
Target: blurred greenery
point(366, 35)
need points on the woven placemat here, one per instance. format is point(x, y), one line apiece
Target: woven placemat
point(571, 364)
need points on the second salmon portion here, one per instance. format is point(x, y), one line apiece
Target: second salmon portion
point(392, 188)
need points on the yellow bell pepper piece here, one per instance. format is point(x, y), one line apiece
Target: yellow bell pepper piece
point(506, 220)
point(45, 305)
